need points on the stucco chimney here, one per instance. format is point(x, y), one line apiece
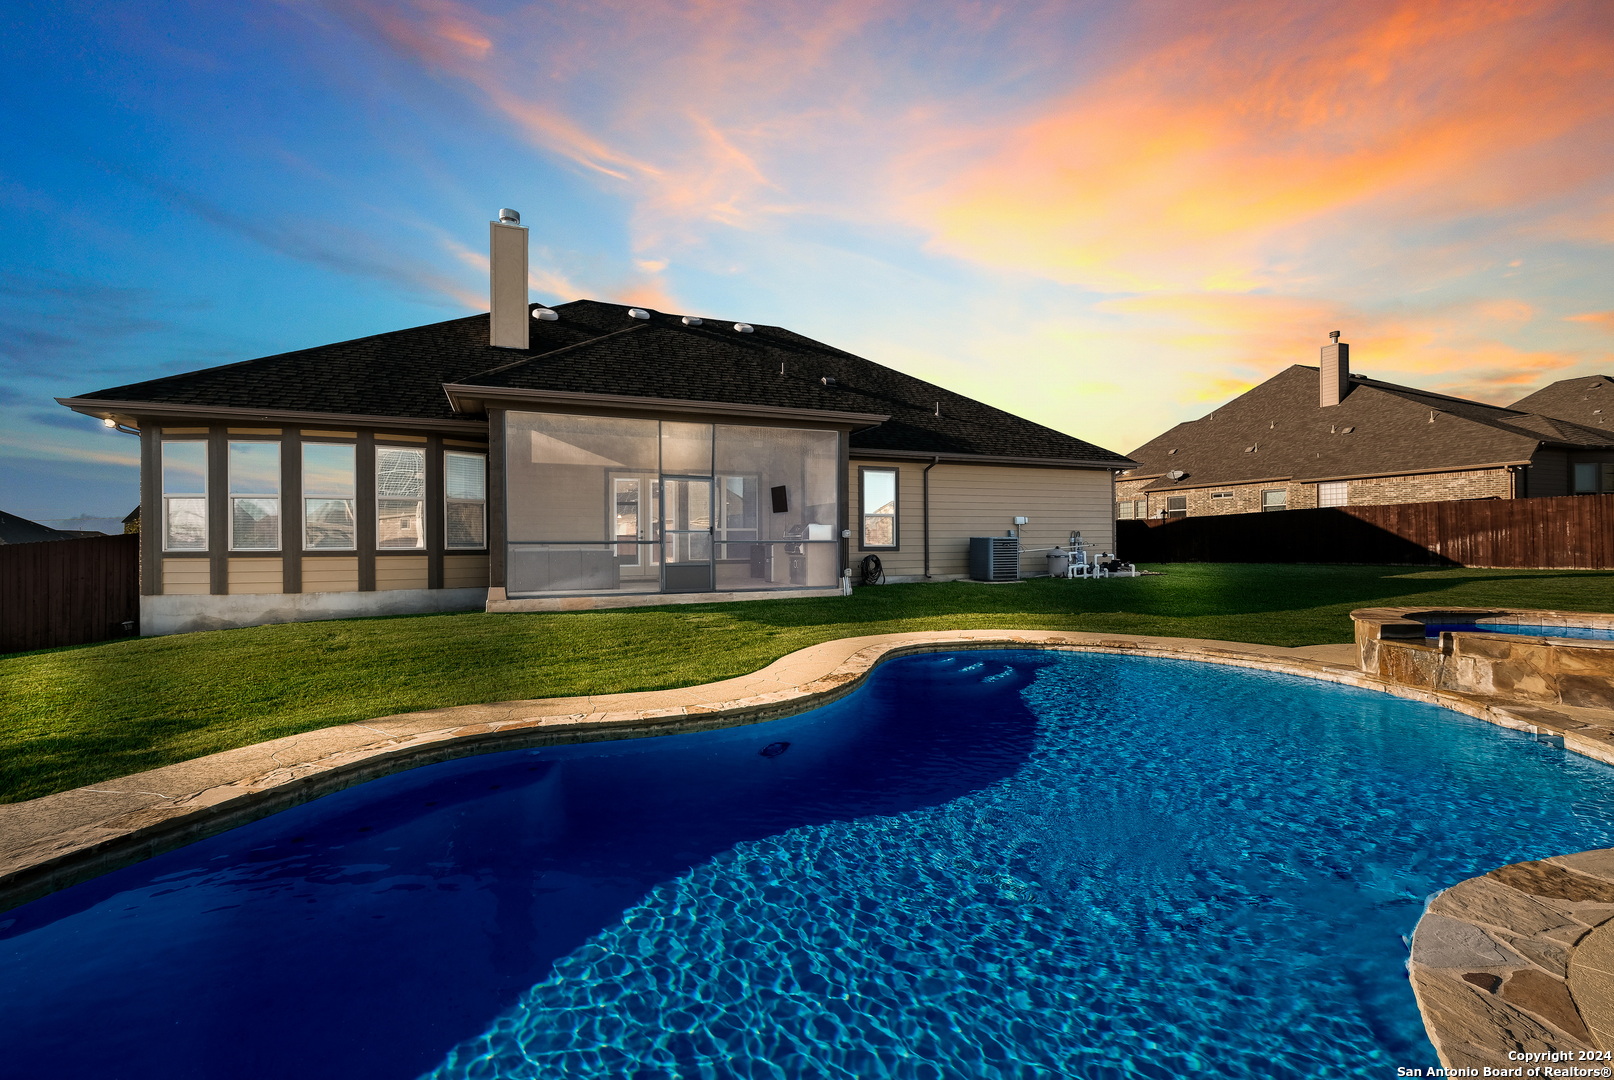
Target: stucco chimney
point(1334, 373)
point(507, 284)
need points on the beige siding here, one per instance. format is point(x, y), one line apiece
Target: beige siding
point(186, 576)
point(908, 559)
point(255, 576)
point(335, 574)
point(465, 571)
point(400, 572)
point(984, 500)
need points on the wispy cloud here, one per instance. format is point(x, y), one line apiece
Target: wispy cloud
point(33, 447)
point(47, 323)
point(1252, 143)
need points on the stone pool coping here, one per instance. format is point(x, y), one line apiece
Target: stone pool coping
point(1539, 928)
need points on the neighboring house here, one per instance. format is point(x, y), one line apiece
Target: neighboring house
point(591, 455)
point(1589, 402)
point(16, 530)
point(1323, 437)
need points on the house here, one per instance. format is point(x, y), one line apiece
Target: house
point(1588, 402)
point(1321, 436)
point(588, 455)
point(18, 530)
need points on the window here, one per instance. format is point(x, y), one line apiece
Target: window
point(1333, 493)
point(254, 496)
point(185, 495)
point(400, 493)
point(879, 507)
point(1221, 495)
point(1176, 506)
point(1124, 510)
point(1592, 477)
point(328, 487)
point(465, 498)
point(1277, 499)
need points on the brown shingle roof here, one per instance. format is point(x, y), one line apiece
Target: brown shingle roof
point(1278, 431)
point(595, 348)
point(1588, 401)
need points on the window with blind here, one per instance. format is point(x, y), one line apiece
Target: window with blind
point(465, 500)
point(1277, 499)
point(329, 522)
point(400, 496)
point(254, 469)
point(185, 495)
point(879, 508)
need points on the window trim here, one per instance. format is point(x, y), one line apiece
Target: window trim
point(231, 496)
point(449, 501)
point(419, 501)
point(162, 468)
point(351, 500)
point(862, 508)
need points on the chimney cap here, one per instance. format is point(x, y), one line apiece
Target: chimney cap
point(1333, 335)
point(508, 216)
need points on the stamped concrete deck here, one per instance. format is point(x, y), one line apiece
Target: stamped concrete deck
point(1521, 959)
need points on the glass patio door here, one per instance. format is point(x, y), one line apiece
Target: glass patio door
point(686, 534)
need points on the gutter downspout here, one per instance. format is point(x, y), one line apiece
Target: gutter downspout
point(925, 478)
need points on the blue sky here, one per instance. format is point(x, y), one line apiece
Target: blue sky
point(1104, 216)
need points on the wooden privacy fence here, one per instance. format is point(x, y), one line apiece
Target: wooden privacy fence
point(1574, 532)
point(67, 592)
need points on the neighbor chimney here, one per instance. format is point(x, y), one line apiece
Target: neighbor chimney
point(507, 272)
point(1334, 373)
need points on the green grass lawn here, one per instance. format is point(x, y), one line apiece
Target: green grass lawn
point(78, 715)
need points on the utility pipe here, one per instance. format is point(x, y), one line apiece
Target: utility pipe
point(925, 480)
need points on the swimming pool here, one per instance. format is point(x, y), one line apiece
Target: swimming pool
point(982, 864)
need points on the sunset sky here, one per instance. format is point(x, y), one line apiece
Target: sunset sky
point(1105, 216)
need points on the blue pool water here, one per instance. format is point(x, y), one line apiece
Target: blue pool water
point(1583, 633)
point(991, 864)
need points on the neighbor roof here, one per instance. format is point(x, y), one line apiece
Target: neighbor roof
point(1588, 401)
point(597, 349)
point(19, 530)
point(1278, 431)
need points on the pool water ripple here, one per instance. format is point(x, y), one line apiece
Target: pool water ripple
point(993, 864)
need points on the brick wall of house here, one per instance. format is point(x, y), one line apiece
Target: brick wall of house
point(1246, 498)
point(1433, 487)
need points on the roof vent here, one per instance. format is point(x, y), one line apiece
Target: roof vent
point(1171, 451)
point(744, 327)
point(638, 313)
point(1249, 449)
point(544, 314)
point(508, 216)
point(1346, 430)
point(1175, 474)
point(690, 320)
point(828, 380)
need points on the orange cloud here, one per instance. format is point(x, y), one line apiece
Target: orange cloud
point(1216, 159)
point(1604, 319)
